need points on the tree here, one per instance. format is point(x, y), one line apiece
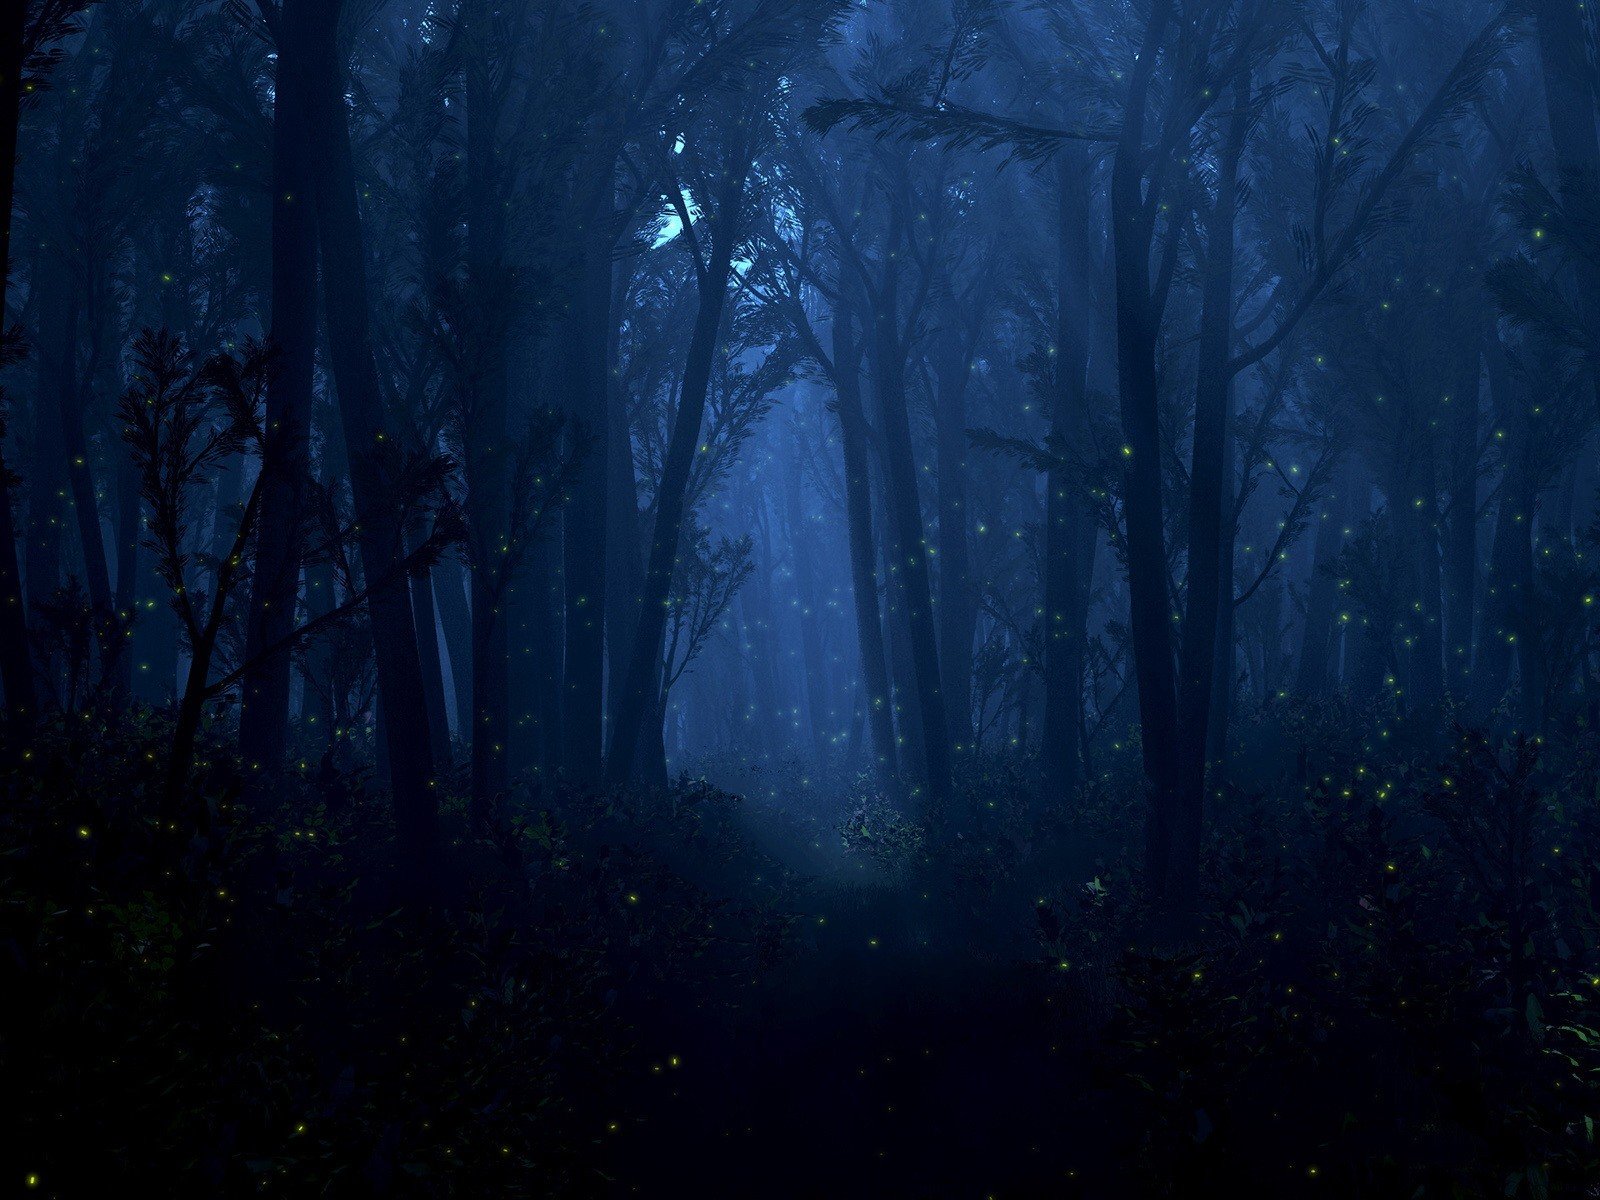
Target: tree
point(286, 451)
point(373, 449)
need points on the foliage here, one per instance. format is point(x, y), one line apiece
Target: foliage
point(1392, 995)
point(881, 831)
point(283, 1025)
point(703, 586)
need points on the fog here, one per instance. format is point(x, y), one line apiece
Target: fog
point(800, 597)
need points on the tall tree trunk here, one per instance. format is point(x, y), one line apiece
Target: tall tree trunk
point(746, 731)
point(487, 432)
point(286, 454)
point(1461, 532)
point(585, 527)
point(1414, 555)
point(129, 528)
point(450, 594)
point(154, 647)
point(227, 494)
point(649, 767)
point(16, 667)
point(1319, 639)
point(1067, 525)
point(372, 448)
point(426, 621)
point(958, 605)
point(1207, 590)
point(1225, 675)
point(863, 552)
point(904, 506)
point(902, 669)
point(805, 599)
point(324, 713)
point(645, 657)
point(1498, 629)
point(1427, 658)
point(156, 636)
point(519, 613)
point(1497, 637)
point(191, 708)
point(761, 635)
point(85, 492)
point(47, 517)
point(625, 571)
point(651, 757)
point(1570, 107)
point(1526, 621)
point(545, 586)
point(104, 378)
point(1150, 607)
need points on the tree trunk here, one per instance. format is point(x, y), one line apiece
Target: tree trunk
point(1150, 607)
point(323, 713)
point(191, 707)
point(585, 527)
point(958, 606)
point(157, 632)
point(1461, 533)
point(1427, 660)
point(1067, 525)
point(1319, 639)
point(427, 626)
point(1225, 674)
point(16, 670)
point(487, 435)
point(16, 667)
point(522, 677)
point(1497, 639)
point(372, 449)
point(545, 584)
point(1570, 107)
point(902, 669)
point(650, 761)
point(761, 637)
point(863, 551)
point(286, 455)
point(85, 492)
point(1525, 613)
point(805, 598)
point(129, 528)
point(905, 513)
point(491, 694)
point(1497, 633)
point(103, 378)
point(644, 657)
point(47, 517)
point(450, 595)
point(625, 593)
point(227, 493)
point(1207, 590)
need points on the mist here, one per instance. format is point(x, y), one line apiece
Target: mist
point(884, 598)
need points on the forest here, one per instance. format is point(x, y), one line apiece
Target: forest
point(972, 599)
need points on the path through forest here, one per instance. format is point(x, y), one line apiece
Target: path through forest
point(898, 1053)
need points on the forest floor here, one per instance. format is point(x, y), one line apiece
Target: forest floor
point(899, 1052)
point(684, 993)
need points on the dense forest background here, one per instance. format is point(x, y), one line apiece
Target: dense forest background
point(800, 597)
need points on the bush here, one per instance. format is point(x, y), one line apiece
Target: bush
point(234, 1003)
